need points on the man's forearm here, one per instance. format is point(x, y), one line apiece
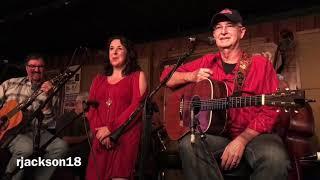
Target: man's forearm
point(247, 135)
point(178, 78)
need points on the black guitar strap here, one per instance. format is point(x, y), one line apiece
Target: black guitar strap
point(244, 67)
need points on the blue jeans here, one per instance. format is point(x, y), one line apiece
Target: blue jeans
point(22, 146)
point(265, 154)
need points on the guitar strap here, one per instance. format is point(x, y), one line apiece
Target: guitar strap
point(244, 67)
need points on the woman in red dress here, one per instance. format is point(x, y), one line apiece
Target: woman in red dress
point(119, 92)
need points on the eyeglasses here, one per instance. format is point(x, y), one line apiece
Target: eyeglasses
point(227, 27)
point(34, 66)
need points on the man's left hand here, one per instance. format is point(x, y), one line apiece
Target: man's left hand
point(233, 153)
point(47, 87)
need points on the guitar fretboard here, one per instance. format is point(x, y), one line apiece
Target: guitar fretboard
point(13, 112)
point(232, 102)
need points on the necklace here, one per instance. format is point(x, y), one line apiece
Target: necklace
point(109, 102)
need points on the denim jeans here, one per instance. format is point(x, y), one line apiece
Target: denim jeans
point(265, 154)
point(22, 146)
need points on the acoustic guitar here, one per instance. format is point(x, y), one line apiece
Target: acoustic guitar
point(10, 117)
point(209, 101)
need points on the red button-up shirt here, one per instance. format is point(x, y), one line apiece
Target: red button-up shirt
point(260, 79)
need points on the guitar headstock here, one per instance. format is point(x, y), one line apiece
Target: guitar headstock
point(287, 99)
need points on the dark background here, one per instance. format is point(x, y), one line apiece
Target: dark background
point(59, 26)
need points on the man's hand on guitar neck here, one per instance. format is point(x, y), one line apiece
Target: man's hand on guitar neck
point(234, 150)
point(47, 87)
point(179, 78)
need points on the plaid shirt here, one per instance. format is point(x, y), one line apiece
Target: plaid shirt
point(20, 89)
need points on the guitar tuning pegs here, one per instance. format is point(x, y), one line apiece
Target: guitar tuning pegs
point(286, 110)
point(296, 111)
point(310, 100)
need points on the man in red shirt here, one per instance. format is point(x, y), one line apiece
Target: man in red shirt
point(249, 131)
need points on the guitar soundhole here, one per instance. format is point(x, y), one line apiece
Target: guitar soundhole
point(196, 104)
point(3, 122)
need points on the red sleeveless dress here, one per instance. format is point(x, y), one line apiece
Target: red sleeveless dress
point(116, 103)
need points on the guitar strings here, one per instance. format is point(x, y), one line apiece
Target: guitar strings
point(235, 100)
point(224, 102)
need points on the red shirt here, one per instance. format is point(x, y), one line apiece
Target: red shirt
point(261, 79)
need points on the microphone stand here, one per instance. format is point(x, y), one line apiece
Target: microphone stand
point(66, 77)
point(148, 108)
point(81, 115)
point(86, 108)
point(195, 124)
point(114, 136)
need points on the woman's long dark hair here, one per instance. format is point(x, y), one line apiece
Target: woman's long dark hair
point(131, 62)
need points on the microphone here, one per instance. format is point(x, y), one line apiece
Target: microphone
point(92, 103)
point(4, 61)
point(209, 40)
point(314, 157)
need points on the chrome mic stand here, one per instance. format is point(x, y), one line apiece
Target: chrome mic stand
point(148, 112)
point(195, 125)
point(148, 108)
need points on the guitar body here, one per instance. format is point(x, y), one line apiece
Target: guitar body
point(9, 122)
point(177, 108)
point(208, 100)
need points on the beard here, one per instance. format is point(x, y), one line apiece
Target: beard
point(36, 77)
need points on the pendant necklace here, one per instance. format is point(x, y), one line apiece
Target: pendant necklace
point(108, 102)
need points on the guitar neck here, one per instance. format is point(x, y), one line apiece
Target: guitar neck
point(13, 112)
point(232, 102)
